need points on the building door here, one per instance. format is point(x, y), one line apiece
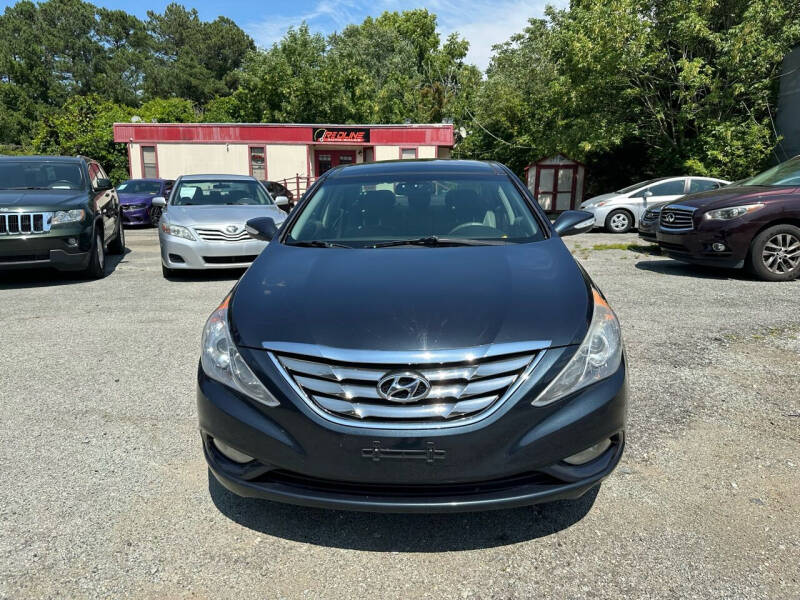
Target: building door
point(327, 159)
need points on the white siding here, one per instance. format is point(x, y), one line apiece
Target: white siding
point(387, 152)
point(192, 159)
point(285, 161)
point(136, 161)
point(426, 152)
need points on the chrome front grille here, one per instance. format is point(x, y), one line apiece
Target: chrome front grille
point(211, 234)
point(650, 216)
point(676, 218)
point(463, 385)
point(25, 223)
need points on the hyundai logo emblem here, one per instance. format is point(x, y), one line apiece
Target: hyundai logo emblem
point(403, 387)
point(669, 217)
point(232, 228)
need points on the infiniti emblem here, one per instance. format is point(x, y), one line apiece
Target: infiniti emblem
point(669, 217)
point(232, 228)
point(403, 387)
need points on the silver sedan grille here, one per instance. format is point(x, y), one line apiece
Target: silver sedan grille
point(461, 385)
point(211, 234)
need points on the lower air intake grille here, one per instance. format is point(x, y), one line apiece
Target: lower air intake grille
point(411, 388)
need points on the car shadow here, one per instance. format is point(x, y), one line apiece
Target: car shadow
point(32, 278)
point(679, 269)
point(382, 532)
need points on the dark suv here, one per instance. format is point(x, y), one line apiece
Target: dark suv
point(416, 337)
point(754, 223)
point(59, 212)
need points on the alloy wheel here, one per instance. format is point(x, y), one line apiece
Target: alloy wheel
point(101, 255)
point(619, 222)
point(781, 253)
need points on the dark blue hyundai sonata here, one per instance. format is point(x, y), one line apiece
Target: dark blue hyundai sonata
point(415, 338)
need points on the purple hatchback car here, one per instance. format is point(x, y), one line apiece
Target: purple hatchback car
point(136, 197)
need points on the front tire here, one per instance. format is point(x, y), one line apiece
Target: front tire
point(155, 215)
point(775, 253)
point(619, 221)
point(97, 259)
point(117, 245)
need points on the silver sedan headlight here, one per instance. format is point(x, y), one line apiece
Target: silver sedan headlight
point(177, 231)
point(221, 360)
point(598, 356)
point(732, 212)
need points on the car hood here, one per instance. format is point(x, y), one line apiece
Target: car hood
point(208, 215)
point(42, 199)
point(136, 198)
point(593, 201)
point(412, 298)
point(732, 196)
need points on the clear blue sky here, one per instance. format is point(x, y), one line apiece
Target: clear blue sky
point(482, 22)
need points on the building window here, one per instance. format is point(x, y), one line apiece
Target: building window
point(149, 162)
point(257, 162)
point(406, 153)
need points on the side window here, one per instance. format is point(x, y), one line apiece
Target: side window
point(94, 173)
point(668, 188)
point(702, 185)
point(100, 172)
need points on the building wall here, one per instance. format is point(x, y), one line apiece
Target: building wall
point(426, 152)
point(135, 160)
point(387, 152)
point(192, 159)
point(285, 161)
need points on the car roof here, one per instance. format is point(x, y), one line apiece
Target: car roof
point(217, 177)
point(61, 159)
point(427, 166)
point(159, 179)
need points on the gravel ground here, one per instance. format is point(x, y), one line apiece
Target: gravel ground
point(104, 492)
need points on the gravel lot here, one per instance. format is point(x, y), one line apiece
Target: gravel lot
point(104, 492)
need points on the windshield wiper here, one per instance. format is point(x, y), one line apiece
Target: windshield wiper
point(434, 240)
point(318, 244)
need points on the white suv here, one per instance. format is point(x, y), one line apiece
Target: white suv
point(620, 211)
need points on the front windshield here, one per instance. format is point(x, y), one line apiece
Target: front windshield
point(44, 175)
point(636, 186)
point(787, 173)
point(219, 192)
point(139, 186)
point(365, 211)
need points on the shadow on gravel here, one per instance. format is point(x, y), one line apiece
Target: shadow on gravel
point(679, 269)
point(32, 278)
point(378, 532)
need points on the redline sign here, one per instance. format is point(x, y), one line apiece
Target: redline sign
point(341, 135)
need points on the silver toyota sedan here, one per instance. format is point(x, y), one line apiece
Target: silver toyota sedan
point(202, 226)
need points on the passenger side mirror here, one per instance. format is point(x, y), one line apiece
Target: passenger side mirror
point(281, 201)
point(572, 222)
point(159, 201)
point(103, 184)
point(647, 194)
point(261, 228)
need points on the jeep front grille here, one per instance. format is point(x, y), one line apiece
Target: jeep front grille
point(463, 385)
point(25, 223)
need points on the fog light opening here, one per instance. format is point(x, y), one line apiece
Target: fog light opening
point(592, 452)
point(231, 453)
point(176, 258)
point(718, 247)
point(72, 242)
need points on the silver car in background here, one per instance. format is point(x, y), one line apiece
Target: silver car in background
point(203, 223)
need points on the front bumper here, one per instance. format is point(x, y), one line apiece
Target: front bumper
point(600, 213)
point(51, 249)
point(136, 216)
point(512, 458)
point(178, 253)
point(695, 246)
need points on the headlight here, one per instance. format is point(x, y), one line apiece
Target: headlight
point(601, 203)
point(598, 356)
point(68, 216)
point(732, 212)
point(221, 360)
point(177, 231)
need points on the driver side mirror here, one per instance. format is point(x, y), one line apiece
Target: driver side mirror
point(281, 201)
point(647, 194)
point(159, 201)
point(261, 228)
point(573, 222)
point(103, 185)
